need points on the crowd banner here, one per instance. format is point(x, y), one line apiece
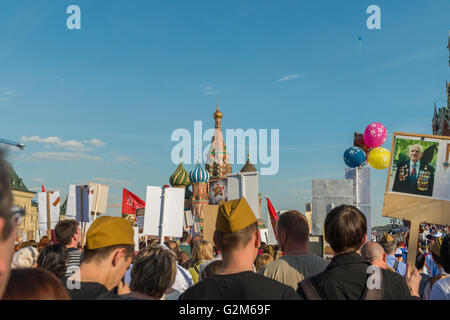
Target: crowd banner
point(164, 212)
point(418, 183)
point(49, 204)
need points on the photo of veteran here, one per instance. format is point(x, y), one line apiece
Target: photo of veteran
point(415, 175)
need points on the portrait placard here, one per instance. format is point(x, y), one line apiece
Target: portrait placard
point(418, 182)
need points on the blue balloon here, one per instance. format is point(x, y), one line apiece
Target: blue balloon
point(355, 157)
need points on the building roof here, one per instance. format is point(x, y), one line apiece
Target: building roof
point(16, 182)
point(248, 166)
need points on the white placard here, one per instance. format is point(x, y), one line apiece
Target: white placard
point(55, 203)
point(71, 209)
point(245, 184)
point(98, 197)
point(164, 207)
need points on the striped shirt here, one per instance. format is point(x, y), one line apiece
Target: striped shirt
point(73, 261)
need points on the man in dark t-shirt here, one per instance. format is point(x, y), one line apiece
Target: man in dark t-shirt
point(238, 239)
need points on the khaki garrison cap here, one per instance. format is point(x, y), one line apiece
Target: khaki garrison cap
point(386, 238)
point(109, 231)
point(234, 215)
point(436, 247)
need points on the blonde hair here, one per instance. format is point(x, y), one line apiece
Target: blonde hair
point(262, 260)
point(203, 250)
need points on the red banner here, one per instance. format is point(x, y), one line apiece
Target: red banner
point(131, 202)
point(273, 216)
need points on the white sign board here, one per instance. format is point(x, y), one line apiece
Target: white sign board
point(164, 208)
point(244, 184)
point(55, 203)
point(98, 197)
point(71, 209)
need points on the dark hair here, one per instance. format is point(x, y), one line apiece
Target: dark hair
point(173, 245)
point(445, 253)
point(154, 271)
point(345, 227)
point(34, 284)
point(43, 243)
point(420, 261)
point(233, 240)
point(6, 198)
point(102, 253)
point(65, 230)
point(185, 236)
point(294, 223)
point(212, 268)
point(53, 258)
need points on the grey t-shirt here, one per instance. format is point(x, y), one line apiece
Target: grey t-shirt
point(291, 269)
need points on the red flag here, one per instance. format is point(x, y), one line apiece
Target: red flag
point(43, 189)
point(273, 216)
point(131, 202)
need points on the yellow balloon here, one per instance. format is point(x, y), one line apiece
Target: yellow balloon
point(379, 158)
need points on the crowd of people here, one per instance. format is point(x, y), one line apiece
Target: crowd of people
point(236, 265)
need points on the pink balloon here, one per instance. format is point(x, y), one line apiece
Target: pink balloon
point(375, 135)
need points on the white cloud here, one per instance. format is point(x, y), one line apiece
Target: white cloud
point(38, 180)
point(111, 181)
point(209, 90)
point(95, 142)
point(3, 99)
point(8, 92)
point(290, 77)
point(60, 156)
point(72, 145)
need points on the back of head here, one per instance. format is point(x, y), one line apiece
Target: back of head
point(212, 268)
point(262, 260)
point(372, 251)
point(173, 245)
point(235, 225)
point(345, 228)
point(388, 243)
point(203, 250)
point(295, 224)
point(53, 258)
point(445, 253)
point(24, 258)
point(34, 284)
point(65, 230)
point(185, 237)
point(43, 243)
point(154, 271)
point(420, 261)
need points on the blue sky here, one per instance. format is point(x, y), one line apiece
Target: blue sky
point(137, 70)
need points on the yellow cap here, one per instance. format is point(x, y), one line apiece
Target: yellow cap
point(386, 238)
point(109, 231)
point(234, 215)
point(436, 247)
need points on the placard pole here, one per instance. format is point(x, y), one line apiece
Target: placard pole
point(161, 221)
point(357, 186)
point(412, 243)
point(49, 225)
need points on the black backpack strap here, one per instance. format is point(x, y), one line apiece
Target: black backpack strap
point(374, 294)
point(308, 290)
point(396, 265)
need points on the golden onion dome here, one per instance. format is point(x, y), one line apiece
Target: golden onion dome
point(218, 114)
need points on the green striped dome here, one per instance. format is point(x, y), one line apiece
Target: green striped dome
point(180, 177)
